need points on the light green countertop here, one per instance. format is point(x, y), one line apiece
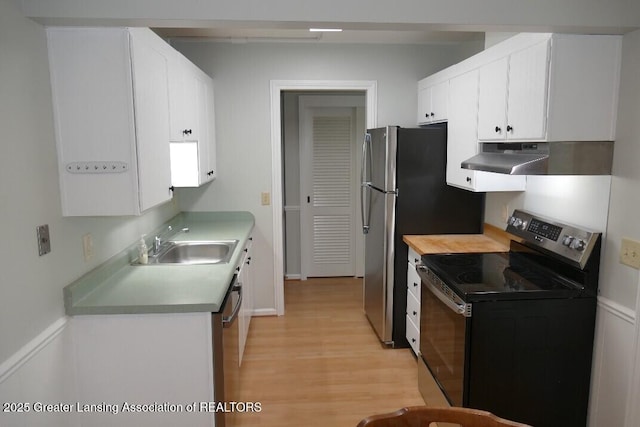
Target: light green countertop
point(117, 287)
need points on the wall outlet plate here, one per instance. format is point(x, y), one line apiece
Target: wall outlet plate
point(44, 242)
point(630, 252)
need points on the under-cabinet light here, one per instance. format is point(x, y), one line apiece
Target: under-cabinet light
point(325, 30)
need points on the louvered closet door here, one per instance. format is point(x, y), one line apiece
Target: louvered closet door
point(327, 172)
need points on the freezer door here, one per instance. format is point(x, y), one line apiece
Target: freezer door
point(382, 158)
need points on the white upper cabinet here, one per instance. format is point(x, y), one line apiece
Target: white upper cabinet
point(433, 102)
point(192, 124)
point(513, 93)
point(561, 89)
point(111, 113)
point(462, 140)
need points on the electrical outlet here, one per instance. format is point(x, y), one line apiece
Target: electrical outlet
point(630, 253)
point(87, 246)
point(44, 242)
point(266, 199)
point(505, 213)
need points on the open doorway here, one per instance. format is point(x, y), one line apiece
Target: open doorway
point(280, 90)
point(320, 151)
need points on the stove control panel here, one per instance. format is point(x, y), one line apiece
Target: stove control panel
point(572, 243)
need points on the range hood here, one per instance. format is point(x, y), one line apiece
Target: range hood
point(544, 158)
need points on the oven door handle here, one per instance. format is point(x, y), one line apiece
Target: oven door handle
point(461, 308)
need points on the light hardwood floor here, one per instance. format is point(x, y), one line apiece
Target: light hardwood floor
point(321, 364)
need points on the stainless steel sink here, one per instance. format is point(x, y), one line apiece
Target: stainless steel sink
point(194, 252)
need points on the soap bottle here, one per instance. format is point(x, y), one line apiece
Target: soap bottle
point(143, 251)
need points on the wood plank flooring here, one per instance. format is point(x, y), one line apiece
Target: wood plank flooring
point(321, 364)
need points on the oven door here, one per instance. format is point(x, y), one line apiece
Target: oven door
point(444, 325)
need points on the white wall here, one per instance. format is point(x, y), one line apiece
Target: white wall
point(31, 286)
point(242, 75)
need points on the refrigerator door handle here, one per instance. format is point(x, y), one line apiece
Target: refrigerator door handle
point(365, 186)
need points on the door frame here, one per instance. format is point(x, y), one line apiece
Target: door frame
point(370, 88)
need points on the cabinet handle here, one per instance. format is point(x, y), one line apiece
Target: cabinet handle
point(186, 132)
point(413, 340)
point(415, 313)
point(426, 115)
point(498, 129)
point(468, 179)
point(509, 128)
point(172, 188)
point(432, 114)
point(415, 285)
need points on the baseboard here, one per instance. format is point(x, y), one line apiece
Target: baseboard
point(31, 349)
point(264, 312)
point(292, 276)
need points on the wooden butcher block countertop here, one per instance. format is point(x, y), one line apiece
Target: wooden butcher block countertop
point(493, 240)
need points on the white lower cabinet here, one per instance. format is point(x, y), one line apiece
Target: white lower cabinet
point(163, 361)
point(413, 302)
point(111, 115)
point(245, 279)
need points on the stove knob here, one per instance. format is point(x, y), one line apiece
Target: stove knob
point(566, 240)
point(517, 223)
point(578, 244)
point(511, 220)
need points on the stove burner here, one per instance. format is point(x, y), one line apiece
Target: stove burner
point(471, 276)
point(458, 260)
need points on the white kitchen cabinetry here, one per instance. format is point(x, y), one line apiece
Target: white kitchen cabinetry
point(111, 112)
point(432, 102)
point(561, 89)
point(193, 148)
point(245, 278)
point(462, 140)
point(413, 302)
point(142, 359)
point(513, 94)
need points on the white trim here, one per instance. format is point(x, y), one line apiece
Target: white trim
point(31, 349)
point(633, 395)
point(293, 277)
point(277, 86)
point(617, 310)
point(264, 312)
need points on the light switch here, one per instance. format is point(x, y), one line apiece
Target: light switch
point(266, 198)
point(87, 246)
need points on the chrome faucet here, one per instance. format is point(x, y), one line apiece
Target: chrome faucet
point(157, 241)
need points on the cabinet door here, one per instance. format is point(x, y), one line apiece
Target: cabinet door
point(492, 101)
point(151, 104)
point(527, 97)
point(212, 170)
point(439, 101)
point(183, 89)
point(424, 105)
point(462, 130)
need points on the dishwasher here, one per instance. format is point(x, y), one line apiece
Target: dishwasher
point(226, 353)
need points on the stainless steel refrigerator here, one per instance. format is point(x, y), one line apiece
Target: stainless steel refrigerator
point(404, 191)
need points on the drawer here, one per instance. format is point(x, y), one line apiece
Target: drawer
point(413, 336)
point(413, 256)
point(413, 281)
point(413, 308)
